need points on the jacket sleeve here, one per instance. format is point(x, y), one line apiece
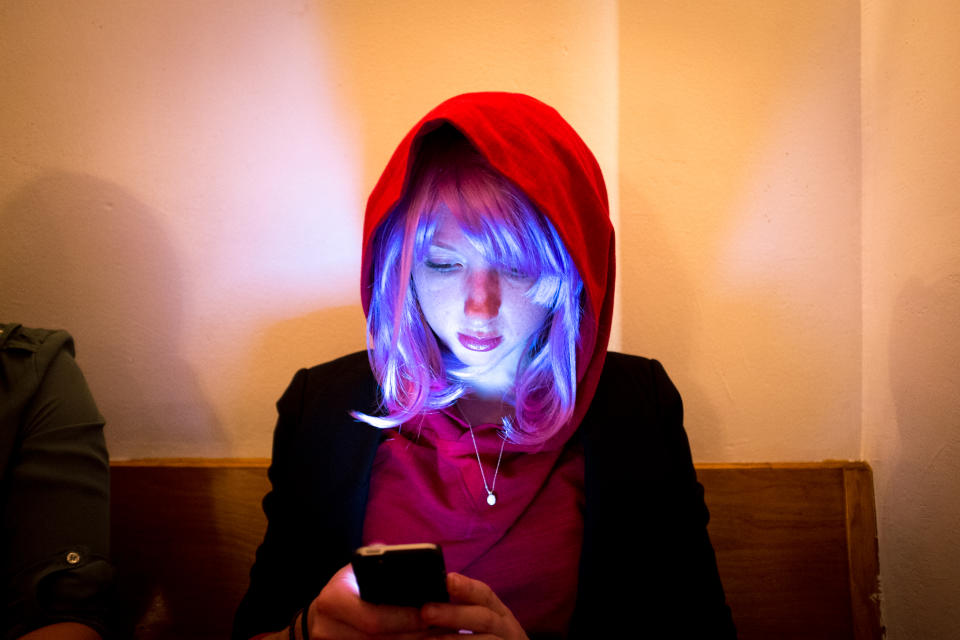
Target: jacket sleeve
point(55, 513)
point(646, 520)
point(319, 478)
point(273, 597)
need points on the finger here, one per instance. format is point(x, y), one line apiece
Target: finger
point(447, 634)
point(476, 618)
point(469, 591)
point(373, 618)
point(475, 607)
point(331, 628)
point(326, 627)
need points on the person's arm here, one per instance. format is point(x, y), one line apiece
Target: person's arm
point(318, 473)
point(319, 469)
point(273, 594)
point(320, 464)
point(694, 580)
point(56, 515)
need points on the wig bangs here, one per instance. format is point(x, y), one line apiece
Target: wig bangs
point(501, 224)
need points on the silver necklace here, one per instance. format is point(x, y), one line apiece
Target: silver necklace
point(491, 496)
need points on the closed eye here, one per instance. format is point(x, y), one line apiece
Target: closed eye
point(515, 273)
point(442, 267)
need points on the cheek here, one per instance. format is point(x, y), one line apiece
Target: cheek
point(437, 302)
point(526, 316)
point(437, 316)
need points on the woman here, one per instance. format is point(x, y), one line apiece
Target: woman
point(487, 415)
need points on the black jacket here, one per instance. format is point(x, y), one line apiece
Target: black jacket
point(647, 566)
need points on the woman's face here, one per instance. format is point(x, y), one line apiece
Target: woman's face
point(479, 310)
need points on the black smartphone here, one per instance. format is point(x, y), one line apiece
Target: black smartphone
point(408, 575)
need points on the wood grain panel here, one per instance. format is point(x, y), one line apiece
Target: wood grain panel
point(781, 548)
point(183, 539)
point(795, 543)
point(863, 551)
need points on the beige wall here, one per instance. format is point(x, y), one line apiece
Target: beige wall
point(740, 222)
point(181, 185)
point(911, 329)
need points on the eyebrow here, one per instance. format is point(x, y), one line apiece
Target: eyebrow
point(441, 245)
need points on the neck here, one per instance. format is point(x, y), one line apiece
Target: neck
point(484, 409)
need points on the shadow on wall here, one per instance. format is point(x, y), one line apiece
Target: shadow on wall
point(920, 516)
point(341, 329)
point(80, 253)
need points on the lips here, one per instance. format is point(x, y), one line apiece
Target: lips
point(475, 343)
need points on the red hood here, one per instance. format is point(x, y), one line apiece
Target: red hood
point(533, 146)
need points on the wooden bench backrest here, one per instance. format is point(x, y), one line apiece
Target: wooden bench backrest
point(796, 545)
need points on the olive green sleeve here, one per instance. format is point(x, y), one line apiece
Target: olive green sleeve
point(55, 518)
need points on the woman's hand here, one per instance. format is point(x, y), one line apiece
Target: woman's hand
point(474, 607)
point(338, 612)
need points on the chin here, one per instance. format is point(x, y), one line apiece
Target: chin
point(476, 360)
point(488, 366)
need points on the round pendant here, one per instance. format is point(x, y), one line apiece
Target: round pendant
point(491, 498)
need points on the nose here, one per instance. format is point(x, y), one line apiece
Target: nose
point(483, 294)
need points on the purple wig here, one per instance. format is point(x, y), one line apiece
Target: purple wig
point(416, 372)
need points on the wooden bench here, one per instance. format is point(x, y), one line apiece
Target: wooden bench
point(796, 545)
